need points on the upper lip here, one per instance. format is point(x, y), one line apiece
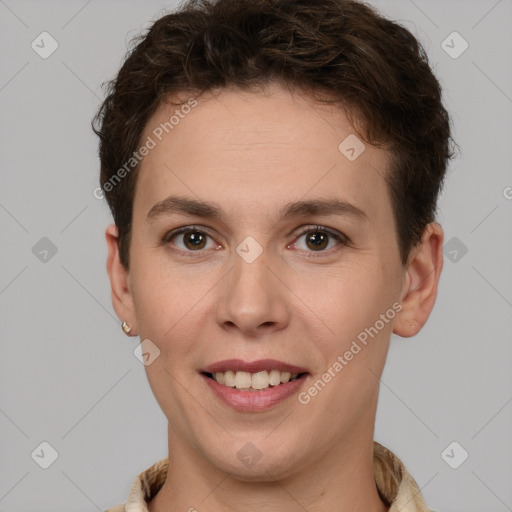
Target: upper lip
point(237, 365)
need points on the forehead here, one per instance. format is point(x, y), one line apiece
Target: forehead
point(248, 149)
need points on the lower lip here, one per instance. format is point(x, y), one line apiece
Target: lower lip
point(254, 401)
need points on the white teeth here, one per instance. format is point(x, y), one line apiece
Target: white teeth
point(285, 377)
point(242, 380)
point(275, 377)
point(259, 380)
point(229, 378)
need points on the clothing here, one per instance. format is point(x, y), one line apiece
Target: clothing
point(395, 485)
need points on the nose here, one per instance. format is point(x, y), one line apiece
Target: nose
point(252, 298)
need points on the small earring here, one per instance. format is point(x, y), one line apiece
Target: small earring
point(126, 328)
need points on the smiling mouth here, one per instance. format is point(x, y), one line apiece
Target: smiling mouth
point(253, 381)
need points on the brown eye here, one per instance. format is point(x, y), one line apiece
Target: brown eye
point(317, 240)
point(189, 239)
point(194, 240)
point(320, 240)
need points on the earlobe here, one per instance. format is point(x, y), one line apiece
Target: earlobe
point(419, 291)
point(122, 299)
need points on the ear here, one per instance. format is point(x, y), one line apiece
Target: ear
point(122, 299)
point(419, 291)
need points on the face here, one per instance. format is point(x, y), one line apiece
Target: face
point(274, 246)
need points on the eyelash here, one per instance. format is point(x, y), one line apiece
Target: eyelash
point(341, 238)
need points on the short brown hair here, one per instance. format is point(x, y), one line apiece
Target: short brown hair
point(372, 67)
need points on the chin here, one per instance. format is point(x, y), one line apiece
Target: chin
point(257, 461)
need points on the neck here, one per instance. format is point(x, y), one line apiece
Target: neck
point(341, 479)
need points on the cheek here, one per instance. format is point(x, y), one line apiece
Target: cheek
point(170, 304)
point(347, 300)
point(173, 303)
point(355, 348)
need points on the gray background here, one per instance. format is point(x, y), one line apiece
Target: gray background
point(68, 373)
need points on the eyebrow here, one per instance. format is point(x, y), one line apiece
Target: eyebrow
point(188, 206)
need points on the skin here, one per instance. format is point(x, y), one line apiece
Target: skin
point(251, 153)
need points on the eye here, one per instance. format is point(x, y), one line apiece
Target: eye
point(191, 239)
point(319, 239)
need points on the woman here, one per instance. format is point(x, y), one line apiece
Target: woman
point(273, 169)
